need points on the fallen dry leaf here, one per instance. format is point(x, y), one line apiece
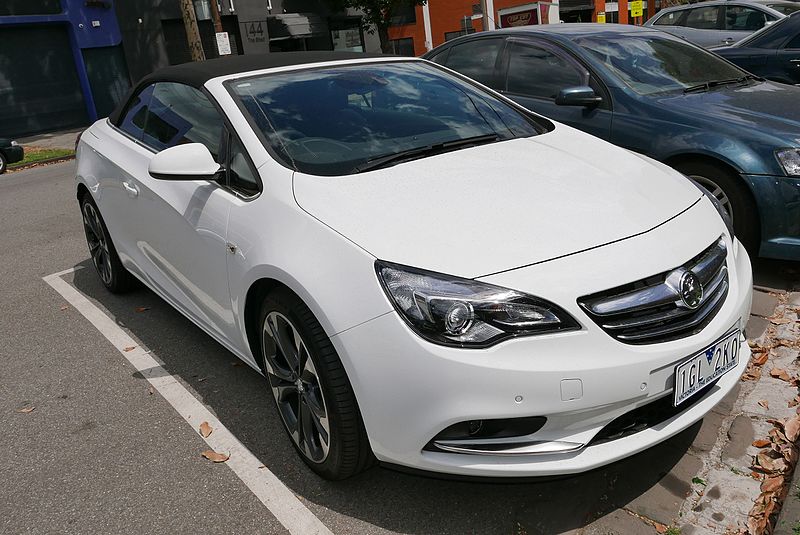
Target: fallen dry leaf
point(26, 410)
point(661, 528)
point(756, 476)
point(262, 467)
point(793, 402)
point(764, 403)
point(236, 363)
point(766, 462)
point(771, 484)
point(141, 309)
point(792, 429)
point(761, 443)
point(129, 348)
point(780, 321)
point(780, 373)
point(151, 390)
point(64, 307)
point(205, 429)
point(760, 359)
point(215, 457)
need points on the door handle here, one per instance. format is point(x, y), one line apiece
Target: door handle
point(132, 190)
point(794, 61)
point(728, 40)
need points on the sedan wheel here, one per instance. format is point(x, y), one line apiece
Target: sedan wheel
point(109, 268)
point(296, 387)
point(730, 190)
point(3, 164)
point(311, 390)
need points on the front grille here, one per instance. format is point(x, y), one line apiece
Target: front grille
point(653, 310)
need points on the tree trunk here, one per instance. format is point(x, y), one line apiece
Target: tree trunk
point(192, 31)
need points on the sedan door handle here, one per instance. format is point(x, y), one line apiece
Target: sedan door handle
point(794, 61)
point(132, 190)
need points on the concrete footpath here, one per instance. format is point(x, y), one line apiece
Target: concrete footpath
point(53, 140)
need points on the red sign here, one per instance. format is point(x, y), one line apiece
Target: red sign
point(520, 18)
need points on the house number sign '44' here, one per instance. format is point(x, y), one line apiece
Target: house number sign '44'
point(255, 32)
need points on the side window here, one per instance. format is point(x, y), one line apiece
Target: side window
point(241, 176)
point(536, 72)
point(476, 59)
point(440, 57)
point(181, 114)
point(670, 19)
point(703, 18)
point(744, 18)
point(794, 43)
point(133, 121)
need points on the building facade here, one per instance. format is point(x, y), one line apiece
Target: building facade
point(423, 28)
point(65, 63)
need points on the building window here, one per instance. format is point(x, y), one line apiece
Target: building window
point(402, 47)
point(452, 35)
point(406, 14)
point(347, 35)
point(29, 7)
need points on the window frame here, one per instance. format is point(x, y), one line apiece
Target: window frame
point(227, 127)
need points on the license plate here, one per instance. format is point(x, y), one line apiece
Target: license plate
point(706, 366)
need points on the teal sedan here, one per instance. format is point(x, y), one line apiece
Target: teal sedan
point(735, 134)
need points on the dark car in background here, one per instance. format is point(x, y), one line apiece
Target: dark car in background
point(772, 53)
point(658, 95)
point(721, 22)
point(10, 152)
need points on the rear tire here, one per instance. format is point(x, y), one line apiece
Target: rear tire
point(3, 164)
point(104, 256)
point(312, 393)
point(732, 193)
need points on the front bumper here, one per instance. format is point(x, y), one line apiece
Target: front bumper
point(778, 200)
point(409, 390)
point(13, 154)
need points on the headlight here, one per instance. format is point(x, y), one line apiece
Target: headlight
point(14, 143)
point(465, 313)
point(790, 161)
point(722, 212)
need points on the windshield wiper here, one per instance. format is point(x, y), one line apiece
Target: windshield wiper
point(426, 150)
point(705, 86)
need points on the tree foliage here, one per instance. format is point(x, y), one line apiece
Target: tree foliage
point(376, 14)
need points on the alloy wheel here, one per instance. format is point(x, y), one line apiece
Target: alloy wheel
point(98, 242)
point(713, 188)
point(296, 387)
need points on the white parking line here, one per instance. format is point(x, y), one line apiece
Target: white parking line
point(276, 496)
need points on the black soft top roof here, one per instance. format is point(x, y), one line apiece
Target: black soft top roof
point(198, 73)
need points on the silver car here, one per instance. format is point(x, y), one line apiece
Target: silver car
point(721, 22)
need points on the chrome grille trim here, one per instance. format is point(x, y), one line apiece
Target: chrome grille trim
point(652, 310)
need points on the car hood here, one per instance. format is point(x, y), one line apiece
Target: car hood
point(766, 107)
point(478, 211)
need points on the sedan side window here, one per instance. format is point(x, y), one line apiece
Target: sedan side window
point(133, 121)
point(536, 72)
point(476, 59)
point(703, 18)
point(182, 114)
point(673, 18)
point(794, 44)
point(744, 18)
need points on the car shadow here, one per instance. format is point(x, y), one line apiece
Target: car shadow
point(380, 497)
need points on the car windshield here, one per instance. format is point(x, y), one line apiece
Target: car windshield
point(346, 119)
point(651, 64)
point(786, 9)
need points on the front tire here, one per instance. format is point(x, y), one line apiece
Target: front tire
point(3, 163)
point(104, 256)
point(733, 195)
point(312, 393)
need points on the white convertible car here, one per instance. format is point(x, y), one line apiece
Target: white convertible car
point(427, 274)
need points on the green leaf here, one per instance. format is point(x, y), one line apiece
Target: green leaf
point(699, 481)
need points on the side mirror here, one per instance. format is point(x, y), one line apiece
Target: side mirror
point(191, 161)
point(578, 96)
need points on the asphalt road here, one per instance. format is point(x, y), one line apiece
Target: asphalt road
point(102, 454)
